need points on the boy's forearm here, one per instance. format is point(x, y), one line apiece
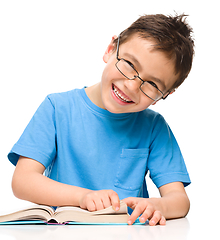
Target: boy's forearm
point(174, 205)
point(39, 189)
point(30, 184)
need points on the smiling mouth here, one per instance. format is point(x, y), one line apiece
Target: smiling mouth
point(120, 95)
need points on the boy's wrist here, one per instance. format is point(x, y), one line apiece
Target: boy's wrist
point(79, 194)
point(159, 204)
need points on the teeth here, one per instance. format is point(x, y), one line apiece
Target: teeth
point(120, 96)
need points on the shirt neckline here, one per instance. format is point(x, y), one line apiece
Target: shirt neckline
point(99, 110)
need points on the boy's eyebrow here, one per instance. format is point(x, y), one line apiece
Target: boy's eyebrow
point(140, 68)
point(159, 81)
point(134, 59)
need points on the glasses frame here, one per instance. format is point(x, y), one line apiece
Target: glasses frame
point(138, 76)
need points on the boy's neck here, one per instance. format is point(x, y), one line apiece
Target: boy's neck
point(94, 94)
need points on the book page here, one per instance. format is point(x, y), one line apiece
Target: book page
point(33, 212)
point(109, 210)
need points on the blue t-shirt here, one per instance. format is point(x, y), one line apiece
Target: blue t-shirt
point(83, 145)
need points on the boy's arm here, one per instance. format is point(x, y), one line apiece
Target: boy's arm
point(174, 203)
point(30, 184)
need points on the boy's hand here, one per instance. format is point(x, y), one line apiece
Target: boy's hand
point(147, 209)
point(98, 200)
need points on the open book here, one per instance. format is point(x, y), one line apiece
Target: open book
point(66, 215)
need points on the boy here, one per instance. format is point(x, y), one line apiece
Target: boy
point(97, 144)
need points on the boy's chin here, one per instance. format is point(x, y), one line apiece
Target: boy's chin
point(115, 110)
point(118, 111)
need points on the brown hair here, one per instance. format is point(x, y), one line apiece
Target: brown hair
point(172, 36)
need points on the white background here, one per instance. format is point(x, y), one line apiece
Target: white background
point(54, 46)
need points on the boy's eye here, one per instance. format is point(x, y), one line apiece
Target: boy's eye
point(153, 84)
point(130, 64)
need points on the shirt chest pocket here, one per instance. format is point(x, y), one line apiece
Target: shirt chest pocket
point(131, 169)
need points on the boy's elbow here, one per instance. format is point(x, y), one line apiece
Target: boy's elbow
point(24, 178)
point(17, 187)
point(22, 185)
point(187, 207)
point(183, 206)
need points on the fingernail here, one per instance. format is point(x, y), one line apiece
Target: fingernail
point(129, 222)
point(153, 222)
point(116, 208)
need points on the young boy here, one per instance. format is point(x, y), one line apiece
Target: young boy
point(91, 147)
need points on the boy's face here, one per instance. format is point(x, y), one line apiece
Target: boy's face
point(151, 65)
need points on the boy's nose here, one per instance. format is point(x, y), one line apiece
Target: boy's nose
point(133, 85)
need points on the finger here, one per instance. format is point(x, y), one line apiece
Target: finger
point(115, 201)
point(147, 214)
point(163, 221)
point(106, 201)
point(98, 204)
point(130, 201)
point(139, 209)
point(91, 206)
point(157, 216)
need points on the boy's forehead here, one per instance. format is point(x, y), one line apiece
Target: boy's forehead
point(137, 39)
point(136, 46)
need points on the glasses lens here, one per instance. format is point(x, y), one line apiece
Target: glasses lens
point(151, 91)
point(126, 69)
point(129, 72)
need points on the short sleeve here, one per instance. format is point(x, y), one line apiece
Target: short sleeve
point(38, 140)
point(165, 162)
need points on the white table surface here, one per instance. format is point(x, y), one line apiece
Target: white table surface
point(179, 229)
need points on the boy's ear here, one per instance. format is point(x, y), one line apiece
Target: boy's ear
point(110, 49)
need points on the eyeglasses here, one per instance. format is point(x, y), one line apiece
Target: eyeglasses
point(127, 69)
